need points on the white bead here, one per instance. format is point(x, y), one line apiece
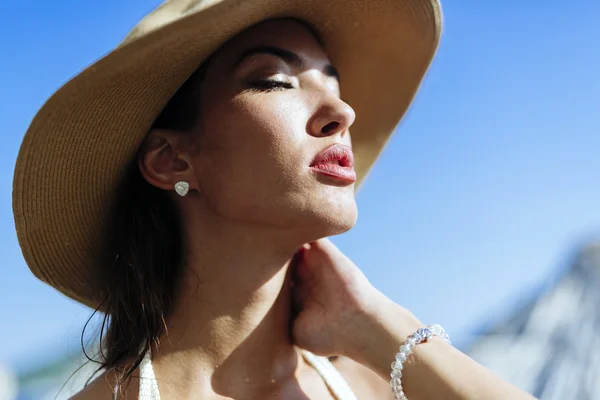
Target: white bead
point(398, 394)
point(401, 358)
point(436, 329)
point(406, 349)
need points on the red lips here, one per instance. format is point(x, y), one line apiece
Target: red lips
point(336, 161)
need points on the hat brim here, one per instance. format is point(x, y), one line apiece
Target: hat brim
point(76, 150)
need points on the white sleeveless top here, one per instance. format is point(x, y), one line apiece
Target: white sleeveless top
point(333, 379)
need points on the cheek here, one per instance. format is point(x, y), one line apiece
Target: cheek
point(254, 150)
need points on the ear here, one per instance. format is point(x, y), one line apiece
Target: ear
point(164, 159)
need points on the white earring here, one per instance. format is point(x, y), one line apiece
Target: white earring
point(182, 188)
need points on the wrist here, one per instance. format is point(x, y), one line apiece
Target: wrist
point(377, 332)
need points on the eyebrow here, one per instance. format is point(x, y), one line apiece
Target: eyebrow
point(286, 55)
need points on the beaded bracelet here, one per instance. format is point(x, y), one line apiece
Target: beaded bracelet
point(422, 335)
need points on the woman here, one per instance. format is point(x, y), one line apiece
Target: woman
point(184, 184)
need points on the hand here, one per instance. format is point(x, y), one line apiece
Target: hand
point(341, 313)
point(334, 301)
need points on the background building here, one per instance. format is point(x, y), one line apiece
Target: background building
point(551, 346)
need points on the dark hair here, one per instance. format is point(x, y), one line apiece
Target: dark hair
point(147, 244)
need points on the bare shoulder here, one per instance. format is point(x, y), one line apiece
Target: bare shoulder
point(102, 388)
point(365, 383)
point(99, 388)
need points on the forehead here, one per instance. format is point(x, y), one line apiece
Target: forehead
point(288, 34)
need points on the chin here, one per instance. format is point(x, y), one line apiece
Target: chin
point(334, 216)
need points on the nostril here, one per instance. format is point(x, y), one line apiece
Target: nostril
point(330, 128)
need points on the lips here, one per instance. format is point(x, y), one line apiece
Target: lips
point(336, 161)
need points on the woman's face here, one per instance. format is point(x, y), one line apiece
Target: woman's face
point(269, 105)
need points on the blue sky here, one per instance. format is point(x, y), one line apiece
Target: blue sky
point(478, 200)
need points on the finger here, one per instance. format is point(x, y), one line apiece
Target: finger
point(300, 293)
point(324, 244)
point(326, 257)
point(326, 248)
point(297, 299)
point(301, 272)
point(319, 258)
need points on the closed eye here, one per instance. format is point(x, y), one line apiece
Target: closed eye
point(268, 85)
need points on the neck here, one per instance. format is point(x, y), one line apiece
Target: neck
point(232, 315)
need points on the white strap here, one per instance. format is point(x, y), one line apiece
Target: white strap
point(148, 383)
point(332, 377)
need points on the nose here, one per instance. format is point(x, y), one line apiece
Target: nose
point(334, 116)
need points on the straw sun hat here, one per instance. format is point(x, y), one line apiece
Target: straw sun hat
point(75, 152)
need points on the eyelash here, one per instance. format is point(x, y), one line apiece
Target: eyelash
point(268, 85)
